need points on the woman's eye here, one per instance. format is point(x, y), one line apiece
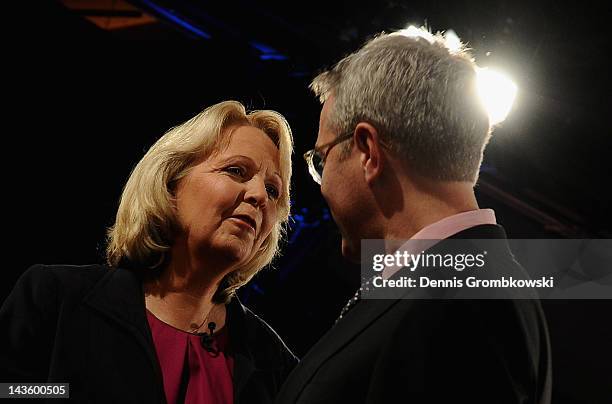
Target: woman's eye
point(272, 191)
point(238, 171)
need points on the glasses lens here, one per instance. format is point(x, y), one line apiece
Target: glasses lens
point(317, 162)
point(309, 156)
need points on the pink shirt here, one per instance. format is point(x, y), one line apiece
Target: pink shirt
point(451, 225)
point(190, 373)
point(443, 229)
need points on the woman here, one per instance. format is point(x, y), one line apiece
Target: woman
point(200, 215)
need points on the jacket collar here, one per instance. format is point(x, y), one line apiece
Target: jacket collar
point(119, 295)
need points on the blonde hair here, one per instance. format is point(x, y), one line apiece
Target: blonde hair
point(419, 90)
point(146, 223)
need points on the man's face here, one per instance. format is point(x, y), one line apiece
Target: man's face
point(342, 186)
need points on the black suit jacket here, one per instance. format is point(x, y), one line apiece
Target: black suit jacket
point(430, 351)
point(86, 325)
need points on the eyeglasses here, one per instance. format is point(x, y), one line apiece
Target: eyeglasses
point(315, 159)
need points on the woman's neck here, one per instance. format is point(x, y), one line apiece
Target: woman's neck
point(182, 296)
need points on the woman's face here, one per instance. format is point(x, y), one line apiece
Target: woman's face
point(227, 204)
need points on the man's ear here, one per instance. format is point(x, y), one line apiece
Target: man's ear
point(368, 145)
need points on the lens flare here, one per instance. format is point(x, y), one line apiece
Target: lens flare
point(497, 93)
point(452, 41)
point(414, 32)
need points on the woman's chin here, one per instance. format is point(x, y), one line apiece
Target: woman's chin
point(234, 250)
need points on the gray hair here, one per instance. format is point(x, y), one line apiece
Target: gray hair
point(420, 92)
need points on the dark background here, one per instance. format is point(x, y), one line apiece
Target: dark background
point(90, 85)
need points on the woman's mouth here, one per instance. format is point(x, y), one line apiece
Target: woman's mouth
point(245, 221)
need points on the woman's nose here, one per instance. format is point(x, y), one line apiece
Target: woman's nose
point(256, 193)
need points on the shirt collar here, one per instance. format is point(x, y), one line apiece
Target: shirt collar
point(454, 224)
point(429, 235)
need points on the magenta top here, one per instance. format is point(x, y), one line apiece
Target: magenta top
point(191, 374)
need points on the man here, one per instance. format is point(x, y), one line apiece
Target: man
point(400, 143)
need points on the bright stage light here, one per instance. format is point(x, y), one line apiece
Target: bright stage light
point(414, 32)
point(452, 41)
point(497, 92)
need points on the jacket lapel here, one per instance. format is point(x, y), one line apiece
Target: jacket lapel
point(353, 323)
point(119, 296)
point(252, 352)
point(240, 339)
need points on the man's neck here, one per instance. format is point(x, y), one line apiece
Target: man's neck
point(424, 209)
